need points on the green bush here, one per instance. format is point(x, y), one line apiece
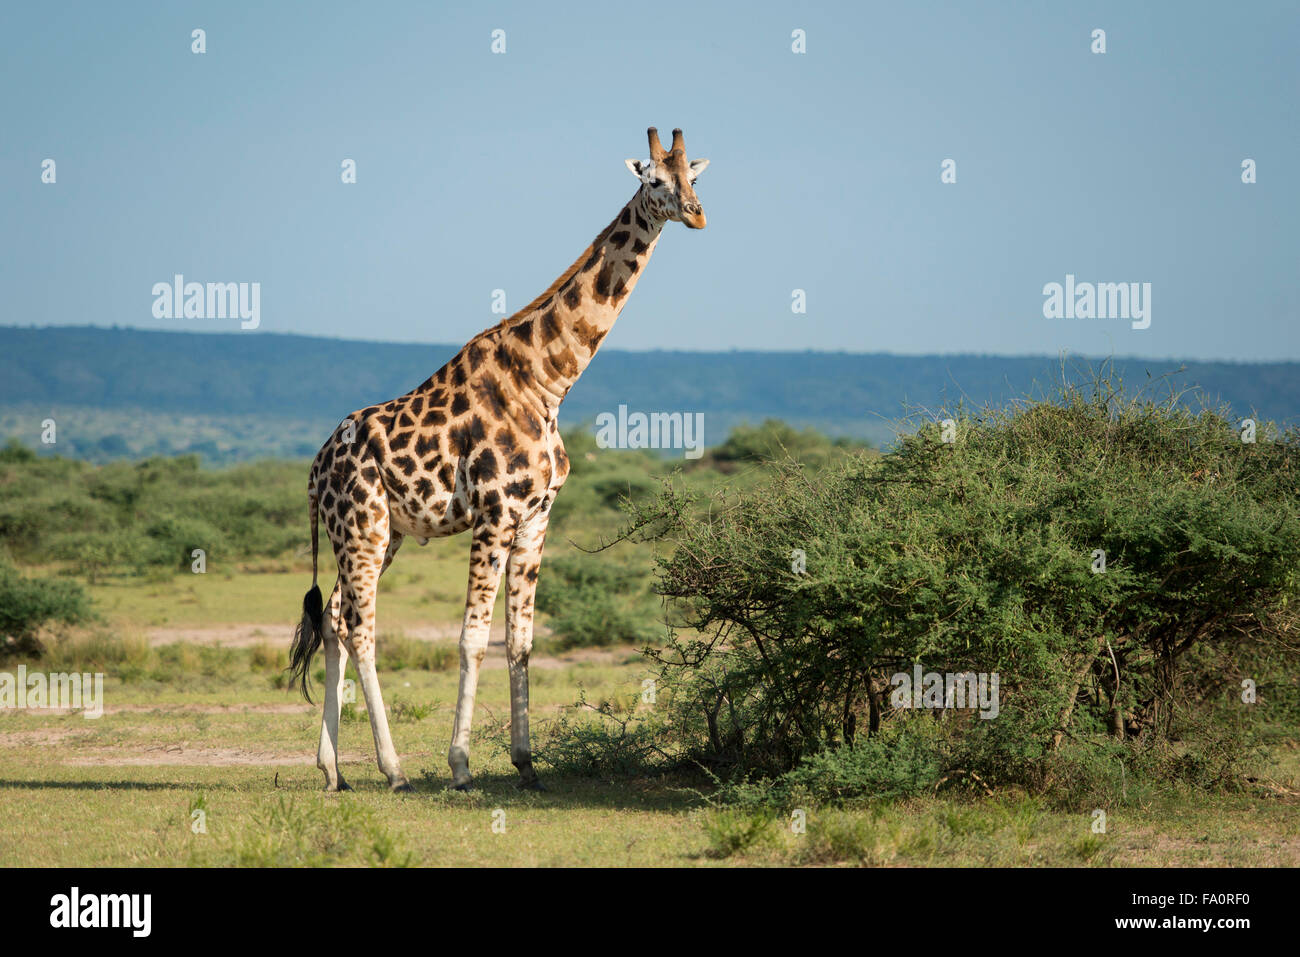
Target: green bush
point(594, 600)
point(15, 452)
point(981, 554)
point(611, 739)
point(136, 516)
point(836, 836)
point(28, 604)
point(734, 831)
point(775, 441)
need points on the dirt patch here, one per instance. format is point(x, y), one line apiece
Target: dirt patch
point(291, 708)
point(228, 636)
point(1264, 851)
point(175, 754)
point(39, 738)
point(251, 635)
point(496, 658)
point(248, 636)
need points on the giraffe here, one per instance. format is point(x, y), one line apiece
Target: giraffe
point(475, 448)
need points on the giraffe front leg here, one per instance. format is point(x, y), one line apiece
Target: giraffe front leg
point(486, 566)
point(327, 752)
point(521, 589)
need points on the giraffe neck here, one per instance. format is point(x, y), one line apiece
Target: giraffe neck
point(565, 325)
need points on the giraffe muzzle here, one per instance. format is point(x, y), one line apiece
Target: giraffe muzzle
point(693, 215)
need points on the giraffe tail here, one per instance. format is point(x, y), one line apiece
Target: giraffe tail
point(307, 637)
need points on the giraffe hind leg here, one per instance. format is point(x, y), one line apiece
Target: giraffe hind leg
point(360, 642)
point(363, 550)
point(328, 750)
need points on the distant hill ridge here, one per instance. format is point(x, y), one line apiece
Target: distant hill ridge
point(315, 381)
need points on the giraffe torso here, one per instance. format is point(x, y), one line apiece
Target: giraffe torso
point(455, 449)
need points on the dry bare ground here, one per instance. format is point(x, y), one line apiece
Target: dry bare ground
point(249, 636)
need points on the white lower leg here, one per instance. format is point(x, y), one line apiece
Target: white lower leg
point(486, 566)
point(327, 752)
point(384, 749)
point(521, 589)
point(521, 755)
point(473, 646)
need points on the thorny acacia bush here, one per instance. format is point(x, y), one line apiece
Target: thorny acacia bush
point(982, 554)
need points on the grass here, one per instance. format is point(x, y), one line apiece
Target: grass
point(1013, 831)
point(122, 791)
point(262, 816)
point(426, 584)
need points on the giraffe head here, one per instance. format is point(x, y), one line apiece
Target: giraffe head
point(669, 180)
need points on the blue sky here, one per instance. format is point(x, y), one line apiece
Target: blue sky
point(479, 171)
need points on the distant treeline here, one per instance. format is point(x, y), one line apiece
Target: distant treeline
point(301, 386)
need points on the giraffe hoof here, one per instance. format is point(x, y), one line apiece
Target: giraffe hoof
point(533, 785)
point(402, 787)
point(336, 785)
point(463, 786)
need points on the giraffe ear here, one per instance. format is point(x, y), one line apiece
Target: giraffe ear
point(698, 167)
point(640, 168)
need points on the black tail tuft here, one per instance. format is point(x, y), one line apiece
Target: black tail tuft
point(307, 638)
